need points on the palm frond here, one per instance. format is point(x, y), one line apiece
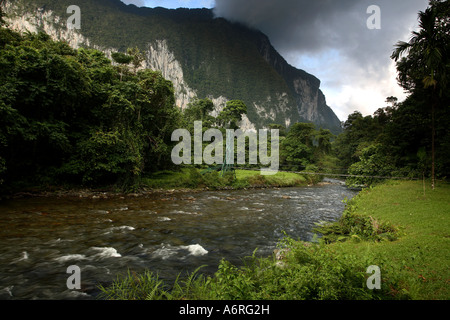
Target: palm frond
point(400, 48)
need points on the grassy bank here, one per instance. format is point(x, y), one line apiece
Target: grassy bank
point(200, 179)
point(420, 256)
point(184, 179)
point(393, 226)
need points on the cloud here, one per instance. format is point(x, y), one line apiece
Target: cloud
point(313, 26)
point(171, 4)
point(330, 39)
point(138, 3)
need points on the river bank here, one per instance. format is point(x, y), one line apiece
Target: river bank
point(419, 259)
point(414, 264)
point(169, 182)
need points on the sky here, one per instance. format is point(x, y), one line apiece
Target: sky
point(172, 4)
point(330, 39)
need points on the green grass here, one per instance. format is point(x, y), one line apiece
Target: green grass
point(193, 178)
point(414, 260)
point(422, 252)
point(167, 179)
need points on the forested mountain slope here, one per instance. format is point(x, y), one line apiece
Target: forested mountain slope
point(202, 55)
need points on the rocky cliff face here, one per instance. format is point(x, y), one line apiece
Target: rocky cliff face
point(159, 57)
point(41, 20)
point(299, 99)
point(309, 99)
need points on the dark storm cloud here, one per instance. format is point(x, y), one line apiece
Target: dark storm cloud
point(330, 39)
point(299, 26)
point(288, 22)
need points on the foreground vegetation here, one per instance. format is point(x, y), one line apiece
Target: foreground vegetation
point(393, 226)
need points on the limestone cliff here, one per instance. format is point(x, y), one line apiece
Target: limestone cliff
point(202, 55)
point(310, 100)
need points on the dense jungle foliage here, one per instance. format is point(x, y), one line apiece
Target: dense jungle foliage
point(73, 117)
point(66, 115)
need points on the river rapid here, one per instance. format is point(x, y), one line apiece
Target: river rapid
point(167, 233)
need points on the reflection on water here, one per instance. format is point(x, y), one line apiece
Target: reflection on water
point(168, 234)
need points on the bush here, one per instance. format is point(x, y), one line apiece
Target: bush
point(195, 179)
point(373, 164)
point(148, 286)
point(214, 181)
point(257, 180)
point(357, 227)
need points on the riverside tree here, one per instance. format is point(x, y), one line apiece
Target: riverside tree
point(425, 67)
point(69, 116)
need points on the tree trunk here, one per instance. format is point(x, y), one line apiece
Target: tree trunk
point(433, 141)
point(424, 188)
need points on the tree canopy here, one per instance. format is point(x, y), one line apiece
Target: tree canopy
point(65, 115)
point(426, 65)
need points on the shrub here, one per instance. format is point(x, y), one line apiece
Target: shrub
point(257, 180)
point(374, 163)
point(357, 227)
point(306, 272)
point(213, 180)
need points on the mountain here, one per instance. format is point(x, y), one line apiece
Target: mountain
point(204, 56)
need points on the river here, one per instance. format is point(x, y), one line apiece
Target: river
point(168, 233)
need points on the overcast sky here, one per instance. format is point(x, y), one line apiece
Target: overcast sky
point(173, 4)
point(329, 39)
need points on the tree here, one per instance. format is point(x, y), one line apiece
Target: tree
point(281, 128)
point(303, 132)
point(359, 133)
point(373, 165)
point(324, 137)
point(137, 57)
point(231, 115)
point(123, 60)
point(66, 118)
point(297, 148)
point(426, 60)
point(199, 110)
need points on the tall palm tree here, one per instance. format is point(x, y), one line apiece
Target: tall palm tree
point(425, 54)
